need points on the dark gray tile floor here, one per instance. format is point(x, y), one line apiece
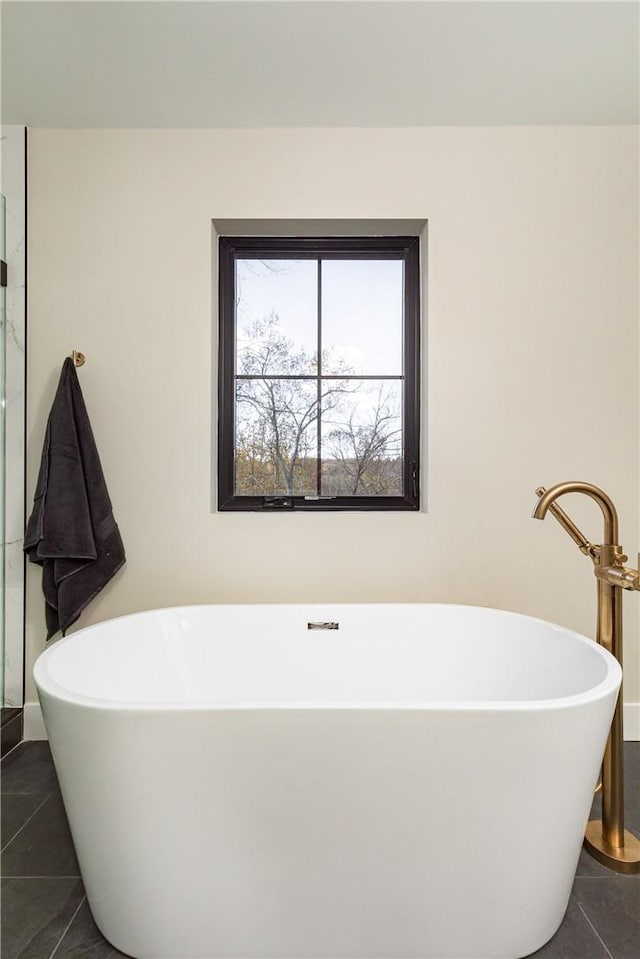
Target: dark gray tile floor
point(45, 914)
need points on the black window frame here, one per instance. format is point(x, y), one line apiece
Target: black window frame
point(231, 248)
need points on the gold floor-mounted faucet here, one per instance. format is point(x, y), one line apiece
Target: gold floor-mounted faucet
point(606, 839)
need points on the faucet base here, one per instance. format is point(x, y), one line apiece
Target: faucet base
point(626, 859)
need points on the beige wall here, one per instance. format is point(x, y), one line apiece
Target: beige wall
point(531, 356)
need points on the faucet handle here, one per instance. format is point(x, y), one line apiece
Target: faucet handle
point(613, 571)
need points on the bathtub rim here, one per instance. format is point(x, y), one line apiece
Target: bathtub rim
point(611, 681)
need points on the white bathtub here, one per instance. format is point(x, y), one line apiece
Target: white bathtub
point(415, 783)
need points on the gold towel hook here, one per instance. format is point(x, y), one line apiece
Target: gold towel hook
point(78, 358)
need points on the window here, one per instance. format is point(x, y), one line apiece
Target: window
point(319, 373)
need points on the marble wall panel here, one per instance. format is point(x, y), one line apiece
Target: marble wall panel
point(13, 187)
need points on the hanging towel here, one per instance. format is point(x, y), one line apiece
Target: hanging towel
point(71, 532)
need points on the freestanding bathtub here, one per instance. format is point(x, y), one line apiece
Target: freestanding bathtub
point(411, 785)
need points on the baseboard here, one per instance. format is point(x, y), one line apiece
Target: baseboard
point(34, 726)
point(631, 719)
point(33, 722)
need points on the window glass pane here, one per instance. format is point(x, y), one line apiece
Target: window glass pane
point(276, 316)
point(362, 316)
point(276, 437)
point(362, 444)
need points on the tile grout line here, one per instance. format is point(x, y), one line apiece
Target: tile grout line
point(600, 939)
point(26, 823)
point(68, 926)
point(626, 878)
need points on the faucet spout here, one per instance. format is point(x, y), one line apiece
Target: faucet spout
point(548, 498)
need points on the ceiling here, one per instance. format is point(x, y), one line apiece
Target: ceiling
point(319, 63)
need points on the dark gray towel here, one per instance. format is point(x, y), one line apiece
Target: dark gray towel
point(71, 532)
